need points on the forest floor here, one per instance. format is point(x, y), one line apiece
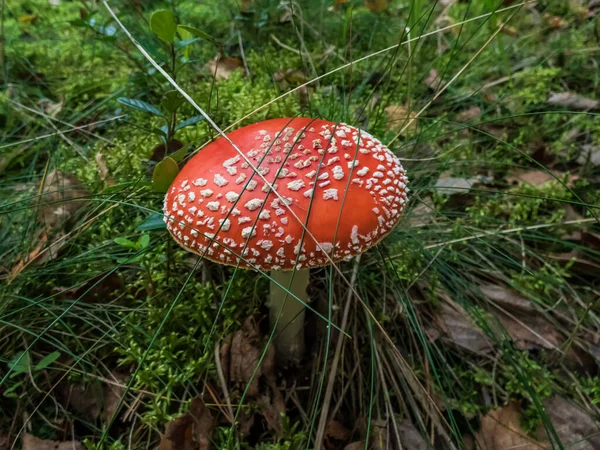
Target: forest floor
point(474, 324)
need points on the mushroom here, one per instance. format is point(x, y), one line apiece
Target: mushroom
point(303, 193)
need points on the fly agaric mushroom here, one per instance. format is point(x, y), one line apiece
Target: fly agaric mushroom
point(303, 193)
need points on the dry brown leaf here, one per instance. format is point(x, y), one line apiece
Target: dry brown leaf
point(376, 5)
point(500, 430)
point(589, 153)
point(410, 437)
point(336, 434)
point(571, 100)
point(192, 431)
point(454, 321)
point(30, 442)
point(379, 434)
point(223, 66)
point(433, 81)
point(506, 298)
point(531, 332)
point(86, 400)
point(422, 214)
point(359, 445)
point(101, 166)
point(240, 354)
point(399, 117)
point(578, 261)
point(575, 428)
point(469, 114)
point(454, 185)
point(113, 394)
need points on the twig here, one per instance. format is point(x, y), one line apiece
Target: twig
point(243, 54)
point(219, 368)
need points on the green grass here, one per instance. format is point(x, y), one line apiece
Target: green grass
point(152, 315)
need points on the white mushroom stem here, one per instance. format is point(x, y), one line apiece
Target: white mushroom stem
point(286, 313)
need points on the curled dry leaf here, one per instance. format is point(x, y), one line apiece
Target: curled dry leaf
point(192, 431)
point(240, 355)
point(531, 332)
point(30, 442)
point(573, 101)
point(506, 298)
point(400, 118)
point(501, 430)
point(336, 434)
point(453, 185)
point(113, 394)
point(223, 66)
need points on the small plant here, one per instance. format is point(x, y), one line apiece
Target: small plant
point(21, 367)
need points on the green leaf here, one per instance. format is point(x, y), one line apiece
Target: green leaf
point(171, 101)
point(191, 121)
point(124, 242)
point(139, 105)
point(186, 30)
point(179, 154)
point(154, 221)
point(143, 241)
point(10, 391)
point(20, 364)
point(129, 260)
point(163, 25)
point(164, 174)
point(46, 361)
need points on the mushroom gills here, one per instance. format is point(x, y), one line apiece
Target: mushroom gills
point(286, 313)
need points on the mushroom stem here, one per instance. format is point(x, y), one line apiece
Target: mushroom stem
point(289, 329)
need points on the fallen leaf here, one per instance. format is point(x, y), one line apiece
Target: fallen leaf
point(400, 118)
point(336, 434)
point(531, 332)
point(453, 185)
point(223, 66)
point(30, 442)
point(379, 434)
point(469, 114)
point(555, 22)
point(113, 394)
point(84, 399)
point(422, 214)
point(589, 154)
point(578, 261)
point(575, 428)
point(192, 431)
point(454, 321)
point(290, 77)
point(433, 81)
point(358, 445)
point(102, 168)
point(506, 298)
point(573, 101)
point(538, 177)
point(240, 355)
point(410, 437)
point(376, 5)
point(501, 430)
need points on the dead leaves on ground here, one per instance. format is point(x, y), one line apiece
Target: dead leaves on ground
point(572, 101)
point(192, 431)
point(222, 67)
point(30, 442)
point(501, 428)
point(240, 356)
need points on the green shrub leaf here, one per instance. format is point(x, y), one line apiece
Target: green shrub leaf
point(46, 361)
point(191, 121)
point(124, 242)
point(163, 25)
point(186, 30)
point(171, 101)
point(154, 221)
point(139, 105)
point(164, 174)
point(21, 363)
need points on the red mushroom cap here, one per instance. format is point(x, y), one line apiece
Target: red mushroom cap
point(350, 187)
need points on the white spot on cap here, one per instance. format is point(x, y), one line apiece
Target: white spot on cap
point(362, 172)
point(296, 185)
point(206, 193)
point(200, 182)
point(181, 199)
point(338, 172)
point(253, 204)
point(213, 206)
point(248, 232)
point(354, 235)
point(225, 224)
point(264, 214)
point(231, 196)
point(308, 193)
point(330, 194)
point(231, 161)
point(220, 180)
point(266, 244)
point(191, 196)
point(244, 220)
point(252, 185)
point(240, 179)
